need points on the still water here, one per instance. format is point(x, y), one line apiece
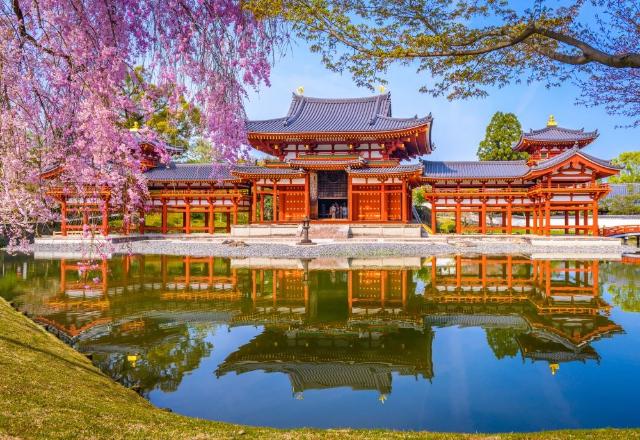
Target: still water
point(447, 344)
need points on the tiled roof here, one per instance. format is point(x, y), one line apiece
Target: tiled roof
point(556, 134)
point(398, 169)
point(623, 189)
point(320, 115)
point(461, 170)
point(189, 171)
point(256, 170)
point(568, 154)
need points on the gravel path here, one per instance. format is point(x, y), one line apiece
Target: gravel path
point(347, 249)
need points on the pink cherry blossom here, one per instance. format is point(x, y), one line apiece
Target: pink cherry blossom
point(62, 67)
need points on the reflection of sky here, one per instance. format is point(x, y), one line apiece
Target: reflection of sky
point(471, 391)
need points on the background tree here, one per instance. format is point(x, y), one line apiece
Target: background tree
point(469, 46)
point(503, 131)
point(623, 204)
point(503, 341)
point(630, 161)
point(178, 125)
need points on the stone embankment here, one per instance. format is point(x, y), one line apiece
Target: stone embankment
point(542, 247)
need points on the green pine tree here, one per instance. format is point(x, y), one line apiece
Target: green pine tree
point(502, 132)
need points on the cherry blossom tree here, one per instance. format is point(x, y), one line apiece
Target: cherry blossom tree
point(63, 68)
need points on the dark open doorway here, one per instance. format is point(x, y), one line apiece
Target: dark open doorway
point(332, 195)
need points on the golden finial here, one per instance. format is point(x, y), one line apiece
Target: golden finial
point(382, 398)
point(300, 90)
point(552, 122)
point(554, 368)
point(132, 359)
point(381, 89)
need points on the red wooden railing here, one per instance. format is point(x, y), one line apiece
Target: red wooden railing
point(621, 230)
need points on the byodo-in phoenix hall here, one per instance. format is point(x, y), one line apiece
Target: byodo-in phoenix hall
point(350, 162)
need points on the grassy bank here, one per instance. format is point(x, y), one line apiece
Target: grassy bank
point(47, 390)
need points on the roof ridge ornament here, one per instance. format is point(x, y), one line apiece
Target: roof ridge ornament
point(551, 122)
point(300, 90)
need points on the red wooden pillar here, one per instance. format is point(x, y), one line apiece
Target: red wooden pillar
point(458, 217)
point(105, 218)
point(254, 201)
point(566, 222)
point(594, 227)
point(509, 217)
point(211, 220)
point(187, 217)
point(163, 217)
point(403, 202)
point(274, 202)
point(349, 197)
point(383, 202)
point(434, 217)
point(228, 223)
point(527, 222)
point(547, 210)
point(63, 217)
point(483, 217)
point(235, 211)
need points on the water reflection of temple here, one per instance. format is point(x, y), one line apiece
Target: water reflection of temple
point(319, 359)
point(351, 327)
point(552, 308)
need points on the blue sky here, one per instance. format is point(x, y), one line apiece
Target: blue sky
point(458, 126)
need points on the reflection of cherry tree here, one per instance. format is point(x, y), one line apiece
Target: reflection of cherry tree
point(621, 281)
point(157, 357)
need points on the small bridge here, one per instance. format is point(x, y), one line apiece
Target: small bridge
point(624, 232)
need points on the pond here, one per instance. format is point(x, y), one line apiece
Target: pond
point(462, 343)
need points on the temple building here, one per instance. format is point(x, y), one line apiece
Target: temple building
point(349, 161)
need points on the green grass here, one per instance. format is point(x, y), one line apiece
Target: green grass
point(49, 391)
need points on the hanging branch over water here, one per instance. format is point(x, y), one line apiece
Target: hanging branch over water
point(63, 66)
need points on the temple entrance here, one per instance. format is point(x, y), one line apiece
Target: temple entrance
point(332, 195)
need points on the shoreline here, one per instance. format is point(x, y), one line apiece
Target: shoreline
point(198, 246)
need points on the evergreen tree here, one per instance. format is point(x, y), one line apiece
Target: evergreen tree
point(630, 160)
point(502, 132)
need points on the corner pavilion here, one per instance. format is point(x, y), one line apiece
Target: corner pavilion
point(349, 161)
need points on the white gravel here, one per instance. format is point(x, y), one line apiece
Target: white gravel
point(346, 249)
